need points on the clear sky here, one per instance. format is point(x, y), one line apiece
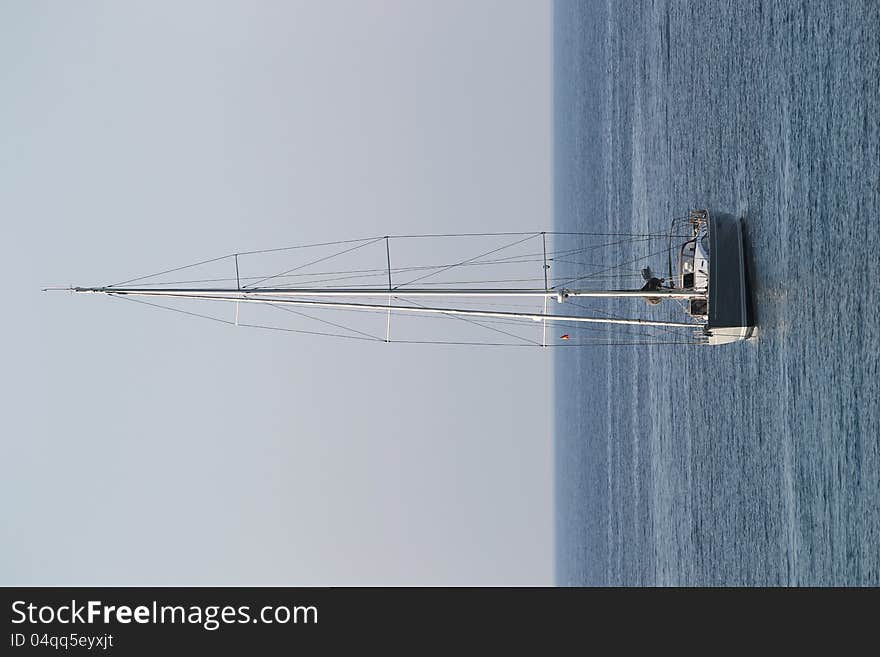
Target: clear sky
point(143, 447)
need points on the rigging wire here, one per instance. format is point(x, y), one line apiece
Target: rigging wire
point(525, 258)
point(168, 271)
point(382, 274)
point(232, 255)
point(324, 321)
point(464, 262)
point(314, 262)
point(369, 239)
point(540, 346)
point(547, 232)
point(472, 321)
point(368, 338)
point(665, 329)
point(230, 323)
point(630, 262)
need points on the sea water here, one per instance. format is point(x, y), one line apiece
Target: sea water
point(758, 462)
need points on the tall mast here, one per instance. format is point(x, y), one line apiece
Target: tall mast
point(242, 293)
point(324, 298)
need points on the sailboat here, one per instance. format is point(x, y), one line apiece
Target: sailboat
point(704, 285)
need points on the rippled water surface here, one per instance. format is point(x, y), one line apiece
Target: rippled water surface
point(756, 463)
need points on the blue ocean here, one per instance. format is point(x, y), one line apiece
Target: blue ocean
point(756, 463)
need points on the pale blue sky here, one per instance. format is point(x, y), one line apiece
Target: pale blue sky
point(141, 447)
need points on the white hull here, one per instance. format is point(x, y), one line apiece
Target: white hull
point(730, 334)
